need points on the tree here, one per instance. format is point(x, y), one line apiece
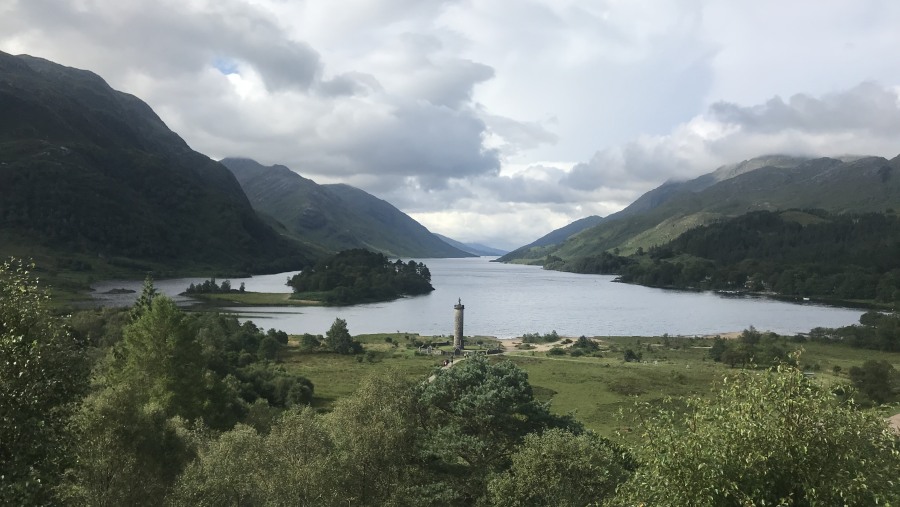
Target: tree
point(291, 465)
point(376, 440)
point(473, 417)
point(148, 294)
point(563, 469)
point(159, 352)
point(128, 453)
point(768, 438)
point(132, 430)
point(338, 338)
point(631, 356)
point(43, 373)
point(309, 342)
point(876, 380)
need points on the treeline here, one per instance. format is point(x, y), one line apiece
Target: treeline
point(833, 256)
point(212, 287)
point(876, 382)
point(358, 275)
point(876, 331)
point(753, 348)
point(550, 337)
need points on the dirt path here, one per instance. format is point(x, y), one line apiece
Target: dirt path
point(456, 360)
point(894, 422)
point(510, 346)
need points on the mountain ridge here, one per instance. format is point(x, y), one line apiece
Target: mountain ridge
point(773, 182)
point(86, 170)
point(337, 216)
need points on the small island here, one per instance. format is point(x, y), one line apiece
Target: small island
point(360, 276)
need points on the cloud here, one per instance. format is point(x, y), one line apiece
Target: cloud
point(866, 109)
point(862, 120)
point(491, 119)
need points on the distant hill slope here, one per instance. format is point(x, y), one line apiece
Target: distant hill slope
point(473, 248)
point(861, 184)
point(88, 170)
point(338, 217)
point(537, 249)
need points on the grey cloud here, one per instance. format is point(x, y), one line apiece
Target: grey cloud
point(166, 37)
point(866, 107)
point(419, 140)
point(428, 73)
point(864, 119)
point(519, 189)
point(283, 66)
point(519, 135)
point(350, 83)
point(632, 166)
point(450, 84)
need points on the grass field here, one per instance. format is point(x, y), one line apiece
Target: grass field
point(335, 376)
point(256, 299)
point(594, 388)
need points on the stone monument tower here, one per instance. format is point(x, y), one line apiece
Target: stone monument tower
point(458, 343)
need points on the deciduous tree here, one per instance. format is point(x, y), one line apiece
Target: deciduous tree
point(43, 373)
point(562, 469)
point(768, 438)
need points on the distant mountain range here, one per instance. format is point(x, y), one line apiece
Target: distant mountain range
point(847, 185)
point(90, 172)
point(337, 217)
point(473, 248)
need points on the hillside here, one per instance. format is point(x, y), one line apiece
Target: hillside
point(792, 253)
point(473, 248)
point(852, 185)
point(90, 176)
point(338, 217)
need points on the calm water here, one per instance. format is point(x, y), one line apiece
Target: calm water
point(507, 300)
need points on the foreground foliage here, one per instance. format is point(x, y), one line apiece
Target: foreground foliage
point(768, 438)
point(43, 372)
point(562, 469)
point(187, 409)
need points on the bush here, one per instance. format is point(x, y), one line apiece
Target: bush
point(768, 438)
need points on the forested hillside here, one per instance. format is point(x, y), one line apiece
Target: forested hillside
point(91, 172)
point(808, 253)
point(852, 185)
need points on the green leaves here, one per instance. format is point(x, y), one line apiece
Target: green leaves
point(769, 438)
point(476, 413)
point(43, 372)
point(338, 338)
point(562, 469)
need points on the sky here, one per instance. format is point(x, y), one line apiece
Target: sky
point(492, 121)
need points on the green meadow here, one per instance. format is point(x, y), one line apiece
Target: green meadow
point(599, 389)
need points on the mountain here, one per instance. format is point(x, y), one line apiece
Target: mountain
point(847, 185)
point(90, 172)
point(473, 248)
point(337, 217)
point(539, 248)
